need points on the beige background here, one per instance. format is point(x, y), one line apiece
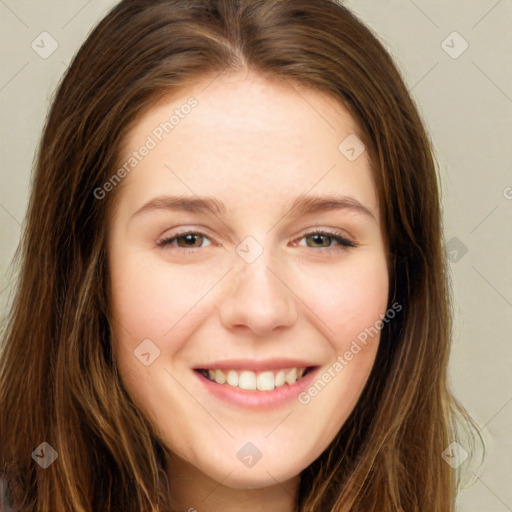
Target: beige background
point(467, 106)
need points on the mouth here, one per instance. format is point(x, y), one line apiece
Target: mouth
point(250, 380)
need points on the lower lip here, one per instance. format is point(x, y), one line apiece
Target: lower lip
point(258, 399)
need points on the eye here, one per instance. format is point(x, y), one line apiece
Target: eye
point(190, 240)
point(186, 241)
point(324, 239)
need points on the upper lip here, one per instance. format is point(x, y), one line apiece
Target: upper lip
point(256, 366)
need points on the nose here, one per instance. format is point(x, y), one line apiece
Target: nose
point(258, 299)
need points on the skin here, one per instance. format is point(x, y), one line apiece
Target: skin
point(255, 145)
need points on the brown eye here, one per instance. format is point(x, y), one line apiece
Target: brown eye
point(191, 240)
point(185, 241)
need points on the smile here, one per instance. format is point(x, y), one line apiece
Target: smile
point(249, 380)
point(256, 384)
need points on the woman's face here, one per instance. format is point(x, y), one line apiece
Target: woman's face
point(247, 249)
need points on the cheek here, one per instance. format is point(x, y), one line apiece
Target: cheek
point(363, 300)
point(149, 300)
point(348, 298)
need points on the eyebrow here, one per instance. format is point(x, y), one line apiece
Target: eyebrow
point(302, 205)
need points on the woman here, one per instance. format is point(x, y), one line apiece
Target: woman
point(233, 292)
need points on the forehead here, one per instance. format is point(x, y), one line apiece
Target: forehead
point(247, 140)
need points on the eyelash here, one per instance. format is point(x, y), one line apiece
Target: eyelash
point(343, 242)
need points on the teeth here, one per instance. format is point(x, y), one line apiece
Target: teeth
point(252, 381)
point(232, 378)
point(220, 377)
point(279, 379)
point(265, 381)
point(247, 381)
point(291, 376)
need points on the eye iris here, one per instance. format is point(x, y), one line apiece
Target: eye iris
point(189, 239)
point(317, 239)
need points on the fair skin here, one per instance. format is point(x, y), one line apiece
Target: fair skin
point(254, 146)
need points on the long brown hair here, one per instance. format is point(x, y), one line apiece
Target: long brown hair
point(58, 378)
